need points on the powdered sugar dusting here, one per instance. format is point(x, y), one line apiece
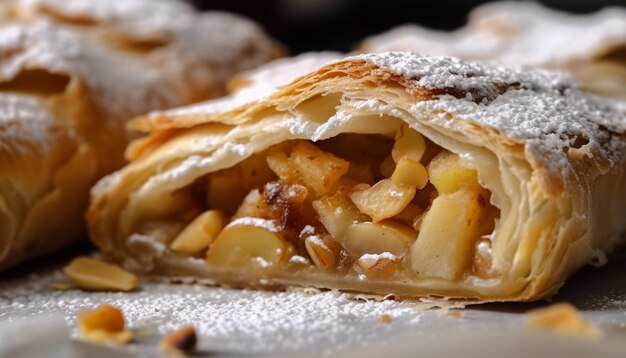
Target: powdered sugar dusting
point(227, 320)
point(26, 125)
point(516, 33)
point(543, 110)
point(373, 258)
point(144, 19)
point(258, 222)
point(259, 83)
point(125, 86)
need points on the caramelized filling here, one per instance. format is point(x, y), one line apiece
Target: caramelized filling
point(356, 204)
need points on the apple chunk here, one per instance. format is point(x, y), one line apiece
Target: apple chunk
point(376, 238)
point(447, 235)
point(448, 173)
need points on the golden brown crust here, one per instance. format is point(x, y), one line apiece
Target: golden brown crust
point(71, 75)
point(548, 153)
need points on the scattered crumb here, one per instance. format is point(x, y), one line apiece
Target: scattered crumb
point(180, 342)
point(61, 286)
point(457, 314)
point(562, 318)
point(104, 324)
point(386, 318)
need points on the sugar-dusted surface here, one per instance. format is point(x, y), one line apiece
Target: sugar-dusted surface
point(259, 83)
point(144, 19)
point(545, 111)
point(26, 126)
point(253, 322)
point(514, 33)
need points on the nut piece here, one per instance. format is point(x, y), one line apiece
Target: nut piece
point(376, 238)
point(103, 324)
point(383, 200)
point(447, 235)
point(199, 233)
point(180, 342)
point(94, 275)
point(409, 144)
point(562, 318)
point(323, 252)
point(410, 172)
point(449, 173)
point(249, 243)
point(337, 212)
point(309, 165)
point(383, 265)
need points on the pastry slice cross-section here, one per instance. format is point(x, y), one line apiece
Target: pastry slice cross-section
point(388, 174)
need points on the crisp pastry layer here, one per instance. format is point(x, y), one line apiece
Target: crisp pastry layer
point(389, 174)
point(523, 33)
point(71, 75)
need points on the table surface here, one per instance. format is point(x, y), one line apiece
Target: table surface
point(245, 322)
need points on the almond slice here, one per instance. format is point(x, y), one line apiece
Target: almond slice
point(410, 172)
point(199, 233)
point(382, 265)
point(383, 200)
point(323, 252)
point(95, 275)
point(249, 243)
point(409, 144)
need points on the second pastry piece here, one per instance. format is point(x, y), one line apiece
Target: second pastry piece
point(591, 46)
point(69, 90)
point(386, 174)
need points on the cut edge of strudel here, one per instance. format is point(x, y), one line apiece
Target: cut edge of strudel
point(386, 174)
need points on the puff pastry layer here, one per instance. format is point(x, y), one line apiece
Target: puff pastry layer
point(591, 46)
point(386, 174)
point(71, 74)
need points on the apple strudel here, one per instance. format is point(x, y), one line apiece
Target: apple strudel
point(389, 174)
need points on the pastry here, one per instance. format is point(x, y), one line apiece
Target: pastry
point(71, 74)
point(591, 46)
point(388, 174)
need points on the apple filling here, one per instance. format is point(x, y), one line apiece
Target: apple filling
point(356, 204)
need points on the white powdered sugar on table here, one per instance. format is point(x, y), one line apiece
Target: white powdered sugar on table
point(295, 323)
point(227, 320)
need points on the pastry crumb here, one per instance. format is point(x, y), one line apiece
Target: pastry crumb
point(561, 318)
point(104, 324)
point(180, 342)
point(457, 314)
point(386, 318)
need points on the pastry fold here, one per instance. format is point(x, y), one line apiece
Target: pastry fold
point(388, 174)
point(72, 73)
point(525, 33)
